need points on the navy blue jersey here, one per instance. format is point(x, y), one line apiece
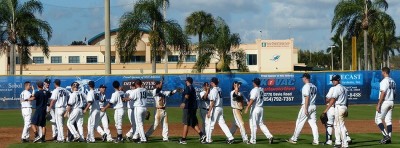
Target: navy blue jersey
point(42, 97)
point(190, 103)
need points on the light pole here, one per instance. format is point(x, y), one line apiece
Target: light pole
point(107, 37)
point(166, 52)
point(332, 46)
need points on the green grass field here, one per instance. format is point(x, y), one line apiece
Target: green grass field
point(271, 114)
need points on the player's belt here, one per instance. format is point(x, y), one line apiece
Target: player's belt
point(26, 107)
point(340, 104)
point(161, 108)
point(236, 108)
point(205, 109)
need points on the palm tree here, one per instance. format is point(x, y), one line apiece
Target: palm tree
point(238, 56)
point(354, 17)
point(24, 29)
point(147, 14)
point(199, 23)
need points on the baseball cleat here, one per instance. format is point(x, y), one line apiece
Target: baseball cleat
point(248, 142)
point(230, 141)
point(329, 142)
point(182, 141)
point(166, 140)
point(37, 138)
point(55, 138)
point(291, 141)
point(104, 137)
point(315, 143)
point(24, 141)
point(271, 140)
point(203, 138)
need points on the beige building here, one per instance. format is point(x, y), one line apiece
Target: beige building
point(262, 56)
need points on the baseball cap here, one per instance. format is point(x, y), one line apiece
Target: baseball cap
point(91, 83)
point(189, 79)
point(335, 77)
point(47, 80)
point(214, 80)
point(257, 81)
point(205, 84)
point(237, 82)
point(102, 86)
point(158, 82)
point(39, 84)
point(57, 81)
point(306, 75)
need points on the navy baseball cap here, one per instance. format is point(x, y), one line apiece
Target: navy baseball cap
point(306, 75)
point(189, 79)
point(102, 86)
point(91, 83)
point(257, 81)
point(47, 80)
point(215, 80)
point(335, 78)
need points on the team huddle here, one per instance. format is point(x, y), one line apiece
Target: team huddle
point(71, 105)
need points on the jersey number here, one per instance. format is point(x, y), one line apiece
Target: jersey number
point(62, 93)
point(143, 95)
point(313, 91)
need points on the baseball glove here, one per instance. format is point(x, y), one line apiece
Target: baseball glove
point(48, 117)
point(346, 114)
point(324, 118)
point(147, 115)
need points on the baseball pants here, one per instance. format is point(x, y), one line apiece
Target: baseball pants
point(256, 119)
point(385, 114)
point(140, 113)
point(329, 127)
point(238, 122)
point(26, 115)
point(104, 122)
point(131, 117)
point(160, 117)
point(339, 125)
point(311, 119)
point(76, 116)
point(59, 118)
point(118, 115)
point(217, 115)
point(203, 116)
point(93, 123)
point(53, 122)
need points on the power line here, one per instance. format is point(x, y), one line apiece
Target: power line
point(70, 7)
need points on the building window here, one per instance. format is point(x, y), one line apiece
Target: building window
point(138, 59)
point(251, 59)
point(91, 59)
point(173, 58)
point(17, 60)
point(190, 58)
point(112, 59)
point(56, 59)
point(158, 59)
point(38, 60)
point(73, 59)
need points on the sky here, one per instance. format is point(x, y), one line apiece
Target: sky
point(307, 21)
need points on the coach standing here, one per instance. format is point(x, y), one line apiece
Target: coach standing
point(189, 106)
point(39, 117)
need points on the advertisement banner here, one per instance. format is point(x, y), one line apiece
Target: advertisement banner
point(279, 89)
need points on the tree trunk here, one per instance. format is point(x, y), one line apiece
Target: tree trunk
point(154, 70)
point(200, 40)
point(365, 50)
point(373, 56)
point(12, 59)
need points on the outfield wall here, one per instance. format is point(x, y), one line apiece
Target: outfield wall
point(279, 88)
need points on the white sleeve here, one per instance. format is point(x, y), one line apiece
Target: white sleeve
point(154, 92)
point(305, 91)
point(166, 93)
point(90, 97)
point(71, 100)
point(113, 99)
point(330, 92)
point(54, 95)
point(213, 94)
point(232, 95)
point(384, 86)
point(253, 94)
point(27, 95)
point(202, 94)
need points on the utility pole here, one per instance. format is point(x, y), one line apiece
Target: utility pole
point(165, 48)
point(332, 46)
point(107, 37)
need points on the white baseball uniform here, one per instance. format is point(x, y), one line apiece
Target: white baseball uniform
point(204, 107)
point(26, 110)
point(331, 118)
point(160, 114)
point(53, 118)
point(76, 102)
point(237, 114)
point(94, 115)
point(217, 115)
point(119, 105)
point(131, 115)
point(340, 95)
point(139, 97)
point(104, 118)
point(309, 90)
point(256, 114)
point(60, 96)
point(387, 86)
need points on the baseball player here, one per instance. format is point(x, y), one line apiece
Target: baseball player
point(119, 105)
point(139, 96)
point(256, 112)
point(384, 107)
point(94, 115)
point(189, 106)
point(26, 110)
point(237, 101)
point(59, 99)
point(160, 115)
point(329, 124)
point(105, 131)
point(54, 130)
point(307, 111)
point(39, 117)
point(339, 100)
point(131, 112)
point(74, 112)
point(216, 113)
point(204, 104)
